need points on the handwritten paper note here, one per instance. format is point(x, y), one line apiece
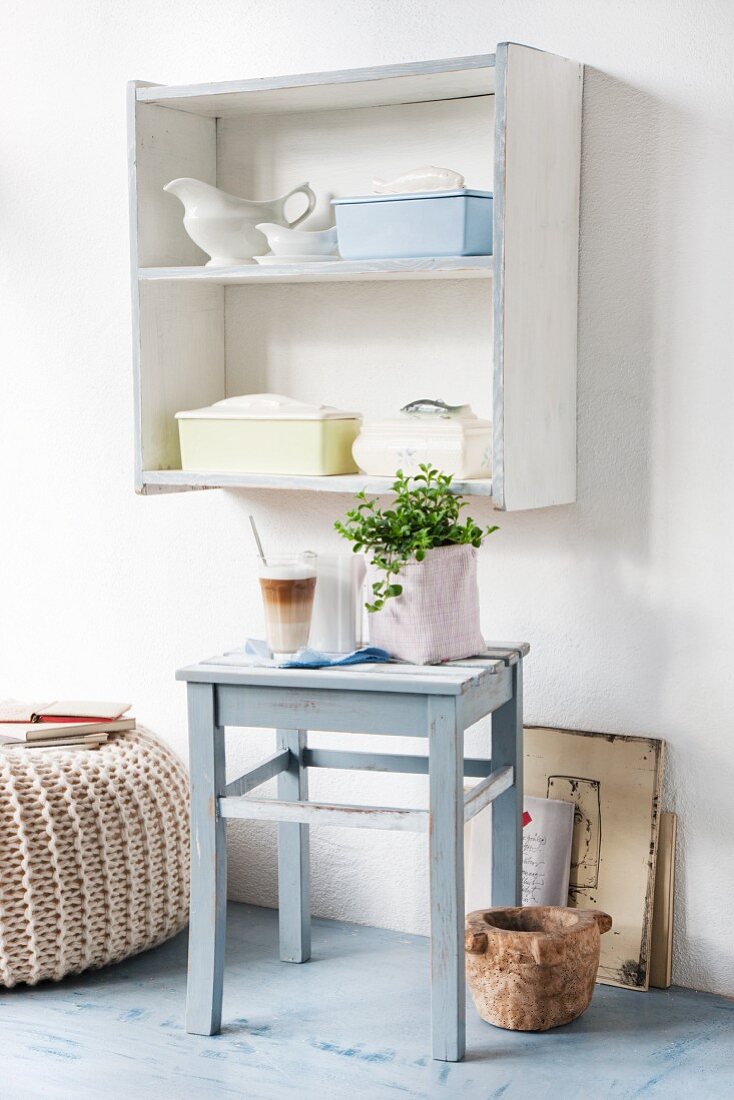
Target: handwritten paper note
point(546, 854)
point(546, 851)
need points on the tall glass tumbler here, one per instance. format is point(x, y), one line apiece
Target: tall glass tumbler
point(337, 611)
point(288, 583)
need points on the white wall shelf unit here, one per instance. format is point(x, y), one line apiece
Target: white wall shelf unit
point(498, 331)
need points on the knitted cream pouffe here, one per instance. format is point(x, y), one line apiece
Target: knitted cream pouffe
point(94, 851)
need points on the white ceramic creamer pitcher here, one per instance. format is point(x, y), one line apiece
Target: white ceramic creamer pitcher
point(223, 225)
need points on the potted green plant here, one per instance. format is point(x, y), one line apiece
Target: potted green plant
point(422, 568)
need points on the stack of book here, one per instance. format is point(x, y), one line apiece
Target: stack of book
point(71, 723)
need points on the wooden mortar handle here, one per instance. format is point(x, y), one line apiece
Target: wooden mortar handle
point(475, 942)
point(603, 920)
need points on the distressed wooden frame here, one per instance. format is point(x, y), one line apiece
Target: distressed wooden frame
point(537, 155)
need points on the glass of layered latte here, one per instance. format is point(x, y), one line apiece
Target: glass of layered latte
point(287, 583)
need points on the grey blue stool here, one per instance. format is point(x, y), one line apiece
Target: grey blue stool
point(434, 702)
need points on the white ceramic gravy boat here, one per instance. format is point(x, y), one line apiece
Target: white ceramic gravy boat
point(225, 226)
point(287, 241)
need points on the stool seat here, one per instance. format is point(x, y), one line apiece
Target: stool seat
point(436, 703)
point(452, 678)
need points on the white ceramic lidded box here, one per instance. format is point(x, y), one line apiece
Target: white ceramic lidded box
point(451, 438)
point(266, 433)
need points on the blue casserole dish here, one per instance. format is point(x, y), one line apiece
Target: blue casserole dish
point(425, 223)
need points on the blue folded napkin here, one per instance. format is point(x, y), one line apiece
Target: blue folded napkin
point(312, 658)
point(257, 654)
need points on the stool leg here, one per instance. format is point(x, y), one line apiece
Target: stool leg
point(207, 923)
point(446, 772)
point(294, 889)
point(507, 809)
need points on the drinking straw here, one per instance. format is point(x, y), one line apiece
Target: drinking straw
point(259, 545)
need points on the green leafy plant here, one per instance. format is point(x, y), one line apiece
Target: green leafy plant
point(424, 515)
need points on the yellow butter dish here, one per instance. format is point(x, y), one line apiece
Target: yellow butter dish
point(266, 433)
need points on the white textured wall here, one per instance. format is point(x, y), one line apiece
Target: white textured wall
point(627, 597)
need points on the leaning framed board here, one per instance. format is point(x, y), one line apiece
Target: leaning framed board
point(614, 783)
point(661, 951)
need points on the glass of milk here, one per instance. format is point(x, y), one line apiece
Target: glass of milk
point(288, 583)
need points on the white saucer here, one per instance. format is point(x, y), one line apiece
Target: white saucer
point(275, 260)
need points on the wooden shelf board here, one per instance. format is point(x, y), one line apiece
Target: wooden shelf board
point(440, 267)
point(418, 82)
point(161, 480)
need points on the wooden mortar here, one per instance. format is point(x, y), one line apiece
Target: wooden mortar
point(533, 967)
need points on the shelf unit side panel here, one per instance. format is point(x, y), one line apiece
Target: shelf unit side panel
point(537, 171)
point(132, 187)
point(181, 361)
point(178, 342)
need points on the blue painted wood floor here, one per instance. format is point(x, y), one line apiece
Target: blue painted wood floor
point(352, 1024)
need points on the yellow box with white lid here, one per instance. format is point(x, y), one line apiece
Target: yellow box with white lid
point(267, 433)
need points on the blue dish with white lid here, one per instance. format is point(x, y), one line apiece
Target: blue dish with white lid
point(424, 223)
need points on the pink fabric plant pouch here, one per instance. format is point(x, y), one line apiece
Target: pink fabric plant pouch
point(437, 616)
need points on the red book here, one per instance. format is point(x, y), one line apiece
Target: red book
point(58, 719)
point(80, 711)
